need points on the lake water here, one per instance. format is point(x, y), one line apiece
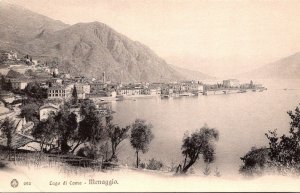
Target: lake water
point(242, 120)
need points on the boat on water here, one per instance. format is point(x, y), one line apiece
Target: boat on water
point(226, 91)
point(186, 94)
point(242, 91)
point(165, 96)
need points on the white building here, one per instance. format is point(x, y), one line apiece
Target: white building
point(46, 110)
point(54, 71)
point(231, 83)
point(130, 91)
point(60, 92)
point(11, 55)
point(19, 83)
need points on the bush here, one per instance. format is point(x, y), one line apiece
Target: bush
point(154, 164)
point(142, 165)
point(86, 152)
point(255, 161)
point(283, 154)
point(207, 170)
point(217, 172)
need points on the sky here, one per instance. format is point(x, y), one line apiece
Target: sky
point(220, 38)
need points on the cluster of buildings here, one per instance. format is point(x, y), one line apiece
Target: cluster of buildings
point(61, 85)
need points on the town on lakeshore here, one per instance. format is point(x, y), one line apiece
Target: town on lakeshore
point(31, 85)
point(32, 90)
point(61, 85)
point(124, 95)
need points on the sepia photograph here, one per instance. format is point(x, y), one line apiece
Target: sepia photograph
point(149, 95)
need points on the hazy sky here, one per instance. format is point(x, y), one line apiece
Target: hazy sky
point(216, 37)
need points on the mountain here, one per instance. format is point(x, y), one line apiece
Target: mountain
point(19, 25)
point(83, 49)
point(191, 74)
point(93, 48)
point(286, 68)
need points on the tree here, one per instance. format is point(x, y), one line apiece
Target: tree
point(285, 150)
point(34, 90)
point(91, 128)
point(201, 142)
point(30, 111)
point(7, 127)
point(86, 107)
point(251, 84)
point(255, 161)
point(9, 85)
point(3, 57)
point(46, 131)
point(75, 95)
point(282, 155)
point(116, 135)
point(3, 83)
point(67, 124)
point(141, 136)
point(60, 127)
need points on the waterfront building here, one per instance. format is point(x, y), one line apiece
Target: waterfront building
point(231, 83)
point(97, 87)
point(60, 92)
point(129, 91)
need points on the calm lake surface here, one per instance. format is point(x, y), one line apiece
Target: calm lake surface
point(242, 120)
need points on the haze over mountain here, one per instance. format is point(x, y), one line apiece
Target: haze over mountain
point(19, 25)
point(286, 68)
point(84, 48)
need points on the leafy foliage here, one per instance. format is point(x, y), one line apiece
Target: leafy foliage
point(67, 124)
point(87, 152)
point(141, 136)
point(34, 90)
point(91, 128)
point(46, 131)
point(30, 111)
point(116, 135)
point(154, 164)
point(283, 153)
point(255, 161)
point(7, 127)
point(74, 96)
point(286, 149)
point(201, 142)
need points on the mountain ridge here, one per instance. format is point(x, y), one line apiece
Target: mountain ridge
point(284, 68)
point(85, 48)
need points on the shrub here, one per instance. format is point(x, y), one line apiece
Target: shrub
point(142, 165)
point(255, 161)
point(86, 152)
point(154, 164)
point(207, 170)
